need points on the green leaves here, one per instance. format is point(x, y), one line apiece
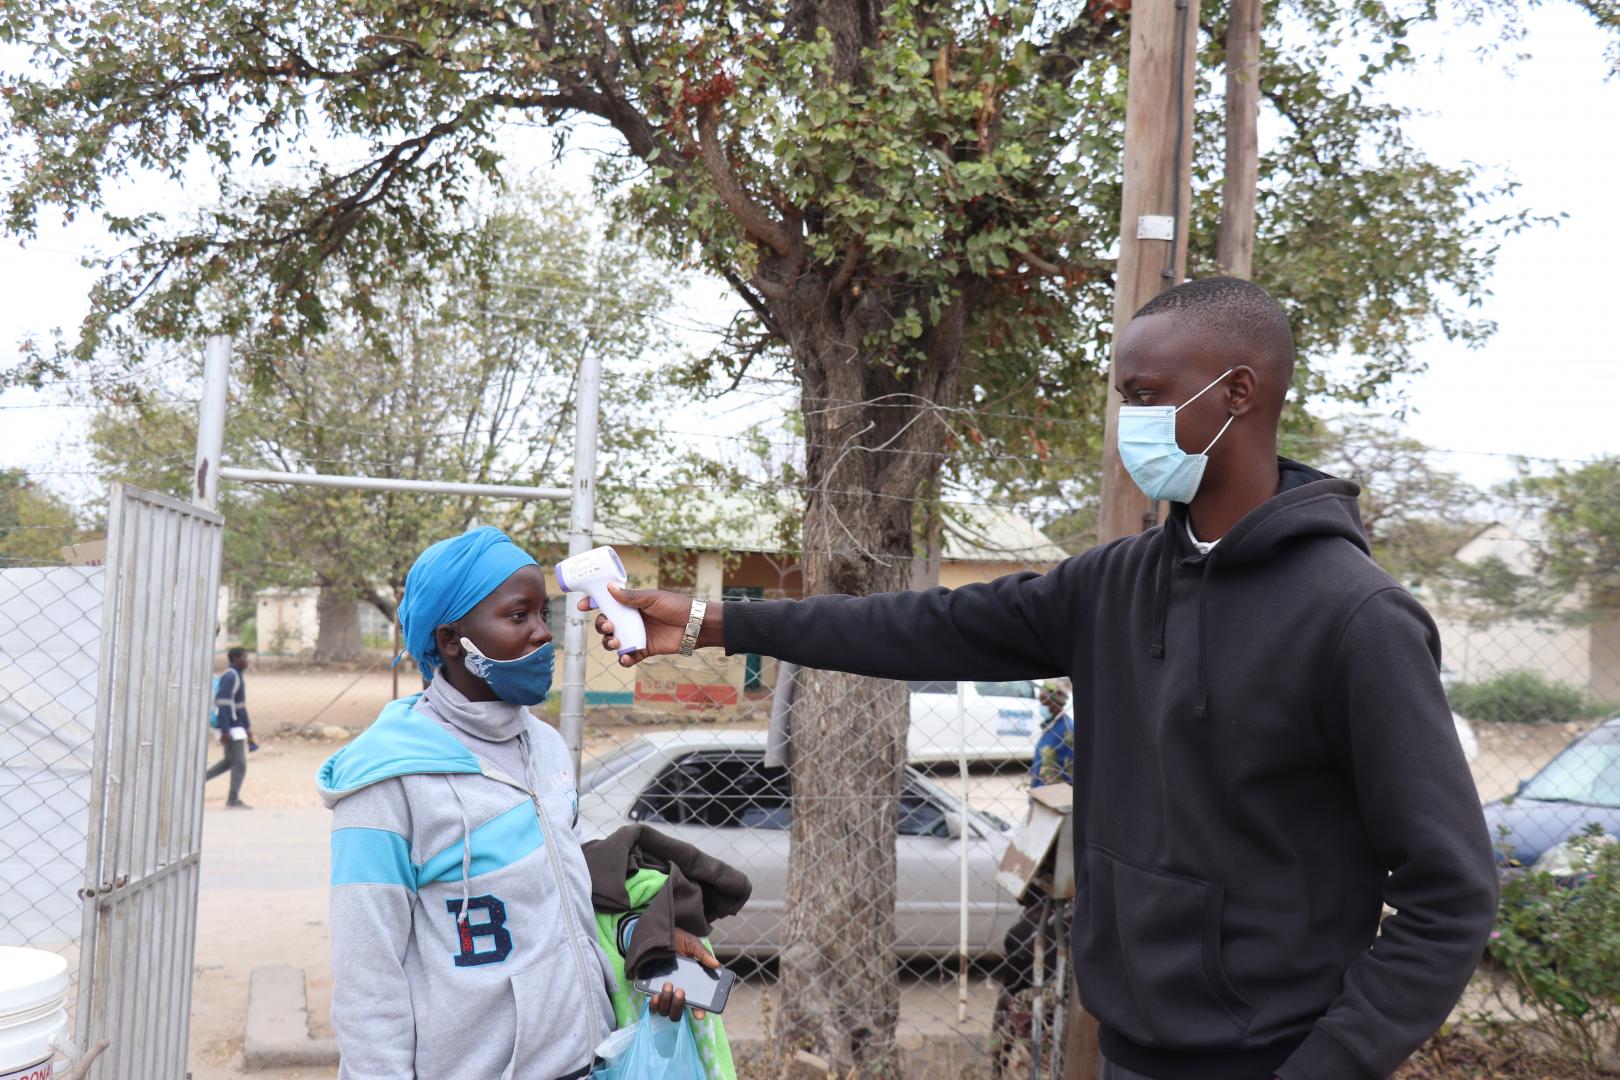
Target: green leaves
point(947, 152)
point(465, 374)
point(1558, 940)
point(1578, 507)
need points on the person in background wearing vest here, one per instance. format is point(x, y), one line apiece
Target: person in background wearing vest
point(235, 733)
point(1054, 750)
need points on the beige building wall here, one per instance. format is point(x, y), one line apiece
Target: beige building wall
point(287, 621)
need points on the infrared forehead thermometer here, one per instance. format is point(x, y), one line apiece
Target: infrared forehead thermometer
point(591, 572)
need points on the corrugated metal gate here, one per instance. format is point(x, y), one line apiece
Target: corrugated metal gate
point(145, 821)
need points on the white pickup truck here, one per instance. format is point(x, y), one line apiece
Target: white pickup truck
point(992, 721)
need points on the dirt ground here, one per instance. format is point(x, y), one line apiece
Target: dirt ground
point(1456, 1056)
point(263, 898)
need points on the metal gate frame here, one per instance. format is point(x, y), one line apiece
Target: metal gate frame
point(145, 828)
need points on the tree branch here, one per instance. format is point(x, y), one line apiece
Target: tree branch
point(749, 214)
point(846, 270)
point(1090, 30)
point(773, 290)
point(753, 301)
point(1048, 268)
point(748, 359)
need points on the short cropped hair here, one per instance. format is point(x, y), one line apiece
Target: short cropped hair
point(1235, 314)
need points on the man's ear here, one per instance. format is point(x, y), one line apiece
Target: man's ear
point(449, 641)
point(1242, 390)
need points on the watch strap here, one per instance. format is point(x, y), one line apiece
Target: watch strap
point(694, 624)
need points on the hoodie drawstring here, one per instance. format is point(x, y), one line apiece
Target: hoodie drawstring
point(466, 850)
point(1161, 617)
point(1161, 599)
point(1201, 710)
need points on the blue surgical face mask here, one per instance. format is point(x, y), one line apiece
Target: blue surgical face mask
point(1148, 449)
point(524, 681)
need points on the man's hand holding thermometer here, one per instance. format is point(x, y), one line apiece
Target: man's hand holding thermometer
point(637, 623)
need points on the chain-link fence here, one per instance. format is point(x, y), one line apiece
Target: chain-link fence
point(50, 640)
point(871, 816)
point(689, 746)
point(103, 686)
point(869, 813)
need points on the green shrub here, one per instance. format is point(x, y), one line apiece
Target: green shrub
point(1558, 941)
point(1520, 697)
point(249, 637)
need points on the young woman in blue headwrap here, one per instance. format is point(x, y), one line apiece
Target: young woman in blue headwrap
point(463, 937)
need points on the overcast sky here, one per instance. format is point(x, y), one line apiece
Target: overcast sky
point(1547, 385)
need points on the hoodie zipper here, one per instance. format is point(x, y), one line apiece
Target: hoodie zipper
point(573, 918)
point(562, 886)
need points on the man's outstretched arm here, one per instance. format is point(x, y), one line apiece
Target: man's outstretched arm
point(1018, 626)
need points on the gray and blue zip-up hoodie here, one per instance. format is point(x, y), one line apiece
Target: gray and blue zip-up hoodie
point(463, 938)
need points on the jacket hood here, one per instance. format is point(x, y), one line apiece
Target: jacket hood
point(694, 888)
point(1308, 504)
point(400, 742)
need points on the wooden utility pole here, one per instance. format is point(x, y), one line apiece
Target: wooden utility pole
point(1153, 217)
point(1152, 258)
point(1234, 251)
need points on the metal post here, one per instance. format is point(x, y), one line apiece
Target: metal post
point(1061, 1002)
point(211, 423)
point(385, 483)
point(1037, 1012)
point(581, 523)
point(962, 766)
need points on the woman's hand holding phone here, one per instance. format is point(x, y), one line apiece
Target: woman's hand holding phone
point(671, 1002)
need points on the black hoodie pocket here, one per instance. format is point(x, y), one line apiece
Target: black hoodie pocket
point(1148, 956)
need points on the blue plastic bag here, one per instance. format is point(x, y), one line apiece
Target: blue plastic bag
point(662, 1049)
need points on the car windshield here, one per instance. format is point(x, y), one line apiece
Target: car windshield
point(1587, 772)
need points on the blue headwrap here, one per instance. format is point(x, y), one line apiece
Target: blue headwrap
point(448, 580)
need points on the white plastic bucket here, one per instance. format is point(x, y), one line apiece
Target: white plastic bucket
point(33, 1013)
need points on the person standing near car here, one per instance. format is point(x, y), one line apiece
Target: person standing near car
point(1054, 750)
point(1264, 753)
point(235, 730)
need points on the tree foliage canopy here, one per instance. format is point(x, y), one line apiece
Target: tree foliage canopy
point(471, 380)
point(924, 168)
point(1416, 513)
point(1578, 515)
point(34, 523)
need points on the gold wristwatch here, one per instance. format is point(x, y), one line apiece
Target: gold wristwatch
point(694, 623)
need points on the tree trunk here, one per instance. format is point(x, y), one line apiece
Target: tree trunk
point(338, 618)
point(931, 544)
point(865, 464)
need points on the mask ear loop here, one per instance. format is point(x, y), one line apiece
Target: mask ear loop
point(1204, 391)
point(1219, 433)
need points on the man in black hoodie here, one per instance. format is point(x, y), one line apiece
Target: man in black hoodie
point(1264, 756)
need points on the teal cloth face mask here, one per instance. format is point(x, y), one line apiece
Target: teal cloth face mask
point(1148, 449)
